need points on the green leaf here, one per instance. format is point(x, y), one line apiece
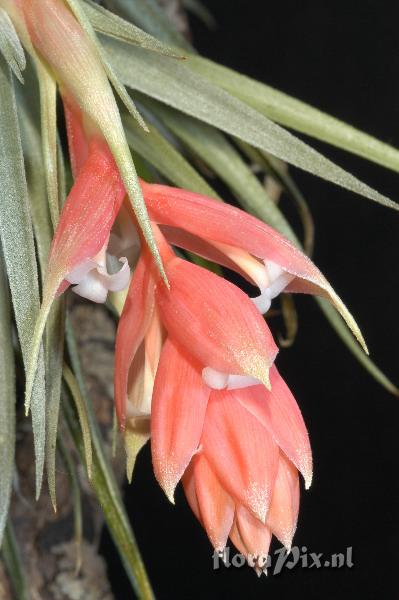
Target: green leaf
point(76, 498)
point(160, 153)
point(54, 356)
point(81, 409)
point(178, 86)
point(14, 564)
point(10, 46)
point(28, 102)
point(19, 253)
point(112, 25)
point(7, 400)
point(105, 486)
point(29, 110)
point(149, 15)
point(297, 115)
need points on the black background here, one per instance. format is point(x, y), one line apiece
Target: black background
point(342, 57)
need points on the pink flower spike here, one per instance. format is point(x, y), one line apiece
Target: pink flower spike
point(178, 410)
point(283, 513)
point(241, 452)
point(221, 223)
point(215, 321)
point(279, 413)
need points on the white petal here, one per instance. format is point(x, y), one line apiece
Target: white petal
point(214, 379)
point(218, 380)
point(96, 283)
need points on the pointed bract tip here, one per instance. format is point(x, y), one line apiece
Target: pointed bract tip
point(265, 379)
point(308, 477)
point(170, 494)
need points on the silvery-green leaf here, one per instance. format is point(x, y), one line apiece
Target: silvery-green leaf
point(105, 486)
point(177, 85)
point(149, 15)
point(28, 103)
point(10, 46)
point(19, 253)
point(154, 148)
point(7, 400)
point(297, 115)
point(29, 110)
point(110, 24)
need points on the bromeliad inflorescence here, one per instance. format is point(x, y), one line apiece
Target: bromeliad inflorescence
point(195, 359)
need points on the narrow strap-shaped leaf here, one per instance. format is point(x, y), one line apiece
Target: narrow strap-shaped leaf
point(76, 498)
point(149, 15)
point(29, 118)
point(81, 409)
point(7, 400)
point(10, 46)
point(19, 253)
point(297, 115)
point(177, 85)
point(29, 110)
point(111, 24)
point(54, 357)
point(105, 486)
point(156, 149)
point(14, 564)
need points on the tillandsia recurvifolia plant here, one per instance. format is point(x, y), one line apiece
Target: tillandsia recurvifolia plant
point(195, 360)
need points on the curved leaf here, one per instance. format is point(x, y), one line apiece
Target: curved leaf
point(81, 409)
point(177, 85)
point(19, 253)
point(7, 401)
point(297, 115)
